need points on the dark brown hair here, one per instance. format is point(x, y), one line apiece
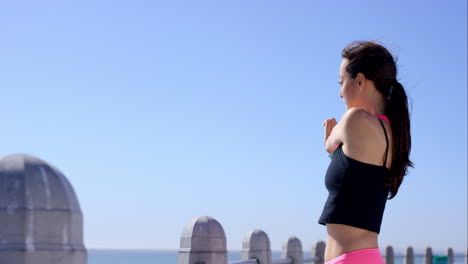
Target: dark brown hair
point(378, 65)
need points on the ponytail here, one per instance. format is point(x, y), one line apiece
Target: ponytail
point(397, 112)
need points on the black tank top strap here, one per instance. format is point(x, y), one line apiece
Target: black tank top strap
point(386, 139)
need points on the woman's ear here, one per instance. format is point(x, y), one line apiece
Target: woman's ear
point(361, 81)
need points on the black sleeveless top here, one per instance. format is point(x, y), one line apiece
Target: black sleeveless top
point(356, 191)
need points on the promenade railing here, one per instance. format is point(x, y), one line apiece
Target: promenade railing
point(203, 241)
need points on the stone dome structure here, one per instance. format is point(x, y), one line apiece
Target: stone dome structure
point(40, 217)
point(256, 245)
point(203, 240)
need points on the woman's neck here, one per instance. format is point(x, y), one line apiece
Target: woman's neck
point(374, 108)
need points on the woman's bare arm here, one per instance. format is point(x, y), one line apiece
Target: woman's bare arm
point(337, 133)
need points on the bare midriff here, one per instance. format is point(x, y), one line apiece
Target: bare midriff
point(344, 238)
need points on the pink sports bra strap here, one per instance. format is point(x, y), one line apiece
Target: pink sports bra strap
point(384, 117)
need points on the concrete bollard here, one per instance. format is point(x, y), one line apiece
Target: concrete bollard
point(203, 241)
point(318, 251)
point(292, 248)
point(450, 255)
point(466, 256)
point(428, 256)
point(389, 256)
point(40, 217)
point(256, 245)
point(409, 256)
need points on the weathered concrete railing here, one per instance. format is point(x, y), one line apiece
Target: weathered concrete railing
point(40, 218)
point(203, 241)
point(409, 256)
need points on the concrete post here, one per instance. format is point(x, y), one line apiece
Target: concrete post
point(203, 241)
point(466, 256)
point(40, 217)
point(409, 256)
point(256, 245)
point(389, 256)
point(293, 248)
point(450, 255)
point(318, 251)
point(428, 256)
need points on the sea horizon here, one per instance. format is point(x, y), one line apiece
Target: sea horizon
point(170, 256)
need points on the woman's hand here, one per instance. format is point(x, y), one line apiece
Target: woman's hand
point(329, 124)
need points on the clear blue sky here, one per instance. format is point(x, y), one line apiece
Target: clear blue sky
point(161, 111)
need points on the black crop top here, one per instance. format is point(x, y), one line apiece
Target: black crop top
point(356, 191)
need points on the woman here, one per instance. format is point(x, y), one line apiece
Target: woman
point(369, 150)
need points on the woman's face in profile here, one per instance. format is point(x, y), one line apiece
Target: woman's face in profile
point(349, 90)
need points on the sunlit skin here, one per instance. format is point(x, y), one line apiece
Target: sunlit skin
point(363, 139)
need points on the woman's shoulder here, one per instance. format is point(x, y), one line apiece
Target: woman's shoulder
point(364, 136)
point(356, 120)
point(360, 127)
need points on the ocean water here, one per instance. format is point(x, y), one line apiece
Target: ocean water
point(96, 256)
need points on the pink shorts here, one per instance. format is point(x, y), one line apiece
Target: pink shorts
point(362, 256)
